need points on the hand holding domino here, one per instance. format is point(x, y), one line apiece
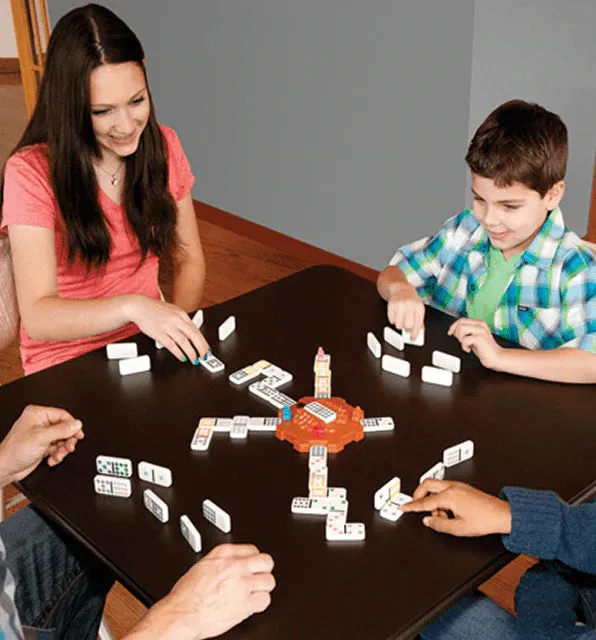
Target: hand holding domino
point(167, 324)
point(405, 310)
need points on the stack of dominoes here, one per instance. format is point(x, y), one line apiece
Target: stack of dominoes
point(328, 501)
point(322, 369)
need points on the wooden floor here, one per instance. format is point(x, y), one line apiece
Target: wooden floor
point(235, 264)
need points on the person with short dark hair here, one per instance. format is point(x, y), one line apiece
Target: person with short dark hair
point(508, 266)
point(95, 193)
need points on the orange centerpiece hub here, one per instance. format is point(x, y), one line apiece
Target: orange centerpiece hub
point(303, 429)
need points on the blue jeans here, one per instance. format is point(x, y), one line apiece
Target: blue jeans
point(60, 586)
point(551, 600)
point(474, 616)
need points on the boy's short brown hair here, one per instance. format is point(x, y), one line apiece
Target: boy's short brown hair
point(520, 142)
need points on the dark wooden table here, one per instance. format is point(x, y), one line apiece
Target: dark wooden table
point(528, 433)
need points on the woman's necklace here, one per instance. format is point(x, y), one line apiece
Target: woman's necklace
point(114, 179)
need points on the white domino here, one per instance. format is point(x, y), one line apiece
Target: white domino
point(437, 376)
point(349, 532)
point(109, 486)
point(134, 365)
point(278, 379)
point(156, 505)
point(226, 328)
point(155, 474)
point(111, 466)
point(437, 472)
point(317, 480)
point(319, 506)
point(198, 318)
point(244, 375)
point(217, 516)
point(317, 456)
point(338, 493)
point(407, 338)
point(320, 411)
point(190, 533)
point(458, 453)
point(373, 344)
point(263, 424)
point(239, 428)
point(388, 491)
point(391, 510)
point(370, 425)
point(212, 364)
point(120, 350)
point(393, 338)
point(396, 365)
point(221, 425)
point(201, 438)
point(446, 361)
point(278, 399)
point(261, 365)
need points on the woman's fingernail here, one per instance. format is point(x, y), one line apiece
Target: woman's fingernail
point(206, 356)
point(196, 362)
point(184, 359)
point(210, 352)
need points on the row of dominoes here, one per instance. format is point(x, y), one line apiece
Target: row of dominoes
point(444, 364)
point(238, 427)
point(123, 468)
point(328, 501)
point(389, 498)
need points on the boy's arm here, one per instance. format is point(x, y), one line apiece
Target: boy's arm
point(538, 523)
point(544, 526)
point(392, 281)
point(557, 365)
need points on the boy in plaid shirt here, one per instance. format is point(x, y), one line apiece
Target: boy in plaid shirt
point(509, 265)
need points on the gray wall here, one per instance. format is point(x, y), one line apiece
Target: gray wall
point(340, 123)
point(344, 124)
point(543, 51)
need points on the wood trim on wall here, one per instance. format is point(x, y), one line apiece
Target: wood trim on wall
point(281, 241)
point(10, 71)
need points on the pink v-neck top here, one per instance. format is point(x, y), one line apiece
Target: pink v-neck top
point(29, 200)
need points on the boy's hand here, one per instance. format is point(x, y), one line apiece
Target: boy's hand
point(475, 513)
point(40, 432)
point(475, 336)
point(406, 310)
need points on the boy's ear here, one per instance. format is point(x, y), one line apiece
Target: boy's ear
point(555, 195)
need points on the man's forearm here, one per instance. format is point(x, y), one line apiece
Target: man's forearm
point(557, 365)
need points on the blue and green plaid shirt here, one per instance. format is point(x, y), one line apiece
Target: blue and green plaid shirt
point(550, 300)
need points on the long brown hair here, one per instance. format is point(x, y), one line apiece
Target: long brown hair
point(81, 41)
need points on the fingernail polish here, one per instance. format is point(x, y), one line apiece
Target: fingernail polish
point(210, 352)
point(206, 356)
point(196, 362)
point(184, 359)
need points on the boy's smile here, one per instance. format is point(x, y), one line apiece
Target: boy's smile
point(512, 215)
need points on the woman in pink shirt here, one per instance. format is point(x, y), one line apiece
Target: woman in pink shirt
point(94, 194)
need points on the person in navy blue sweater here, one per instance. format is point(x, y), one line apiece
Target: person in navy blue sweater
point(555, 599)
